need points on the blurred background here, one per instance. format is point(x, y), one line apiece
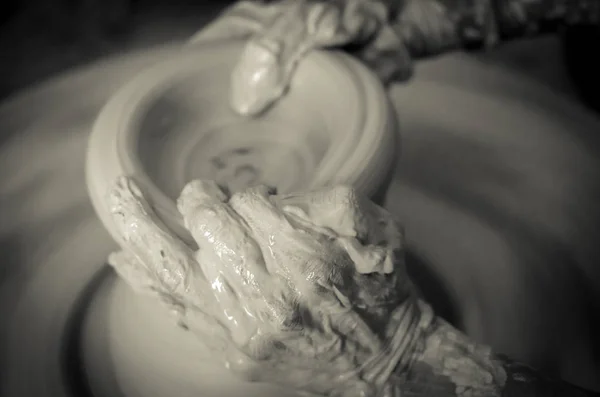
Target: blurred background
point(39, 38)
point(43, 38)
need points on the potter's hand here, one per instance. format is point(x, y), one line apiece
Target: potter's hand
point(384, 34)
point(306, 291)
point(281, 33)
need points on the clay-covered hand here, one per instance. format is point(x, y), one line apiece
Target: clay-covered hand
point(281, 33)
point(384, 34)
point(308, 291)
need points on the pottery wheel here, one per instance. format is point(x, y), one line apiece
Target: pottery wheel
point(497, 188)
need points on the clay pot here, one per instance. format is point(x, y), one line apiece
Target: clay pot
point(173, 124)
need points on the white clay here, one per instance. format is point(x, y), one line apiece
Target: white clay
point(309, 289)
point(335, 125)
point(151, 357)
point(269, 61)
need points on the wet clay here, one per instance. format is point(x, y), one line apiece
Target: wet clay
point(303, 290)
point(267, 65)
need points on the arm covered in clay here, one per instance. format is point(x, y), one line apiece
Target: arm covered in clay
point(308, 291)
point(387, 35)
point(430, 27)
point(450, 364)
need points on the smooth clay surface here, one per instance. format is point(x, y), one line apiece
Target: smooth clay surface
point(173, 123)
point(497, 188)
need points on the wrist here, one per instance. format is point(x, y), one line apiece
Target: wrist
point(447, 361)
point(406, 328)
point(378, 374)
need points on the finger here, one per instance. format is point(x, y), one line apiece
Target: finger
point(223, 234)
point(136, 275)
point(220, 236)
point(243, 309)
point(167, 260)
point(265, 220)
point(365, 231)
point(230, 255)
point(208, 328)
point(152, 258)
point(265, 68)
point(223, 237)
point(271, 57)
point(132, 271)
point(249, 362)
point(270, 298)
point(255, 206)
point(232, 306)
point(334, 208)
point(295, 250)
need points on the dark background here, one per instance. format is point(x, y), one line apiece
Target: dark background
point(39, 38)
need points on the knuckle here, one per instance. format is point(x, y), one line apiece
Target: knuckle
point(203, 189)
point(200, 197)
point(241, 198)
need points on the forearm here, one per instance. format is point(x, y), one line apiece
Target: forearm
point(430, 27)
point(450, 364)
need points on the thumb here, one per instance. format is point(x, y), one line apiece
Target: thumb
point(300, 26)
